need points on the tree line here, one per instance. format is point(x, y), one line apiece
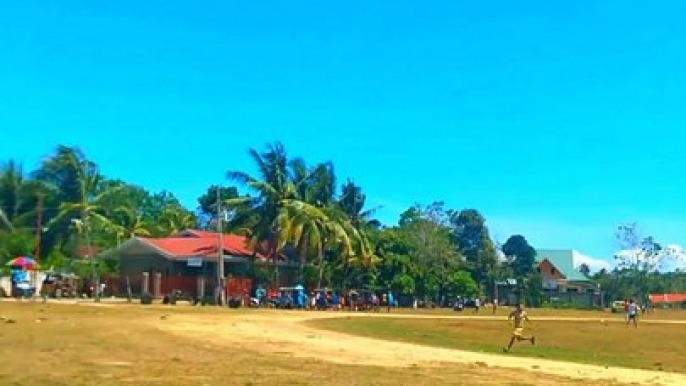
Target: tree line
point(66, 210)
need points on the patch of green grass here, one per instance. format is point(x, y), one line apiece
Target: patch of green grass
point(651, 346)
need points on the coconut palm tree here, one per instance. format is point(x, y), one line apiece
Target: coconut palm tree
point(271, 189)
point(352, 202)
point(77, 179)
point(17, 196)
point(295, 204)
point(131, 224)
point(5, 222)
point(318, 229)
point(174, 219)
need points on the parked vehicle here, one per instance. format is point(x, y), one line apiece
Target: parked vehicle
point(617, 306)
point(364, 300)
point(59, 285)
point(460, 304)
point(286, 299)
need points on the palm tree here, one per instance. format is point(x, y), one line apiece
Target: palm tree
point(272, 188)
point(131, 225)
point(319, 229)
point(174, 219)
point(352, 202)
point(17, 196)
point(295, 205)
point(18, 203)
point(5, 222)
point(11, 181)
point(77, 179)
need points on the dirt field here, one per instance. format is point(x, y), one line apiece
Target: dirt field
point(114, 345)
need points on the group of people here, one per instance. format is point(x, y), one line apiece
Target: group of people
point(297, 297)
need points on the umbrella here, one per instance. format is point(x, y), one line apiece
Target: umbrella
point(23, 262)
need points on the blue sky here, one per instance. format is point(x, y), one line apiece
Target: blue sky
point(556, 120)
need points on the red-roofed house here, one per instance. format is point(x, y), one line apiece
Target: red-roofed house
point(667, 298)
point(186, 261)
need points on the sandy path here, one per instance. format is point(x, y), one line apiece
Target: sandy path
point(285, 333)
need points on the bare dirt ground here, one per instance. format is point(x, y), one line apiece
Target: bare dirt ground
point(284, 333)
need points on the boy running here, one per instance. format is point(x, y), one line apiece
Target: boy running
point(519, 316)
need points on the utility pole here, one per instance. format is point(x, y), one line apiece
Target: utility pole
point(39, 226)
point(94, 272)
point(220, 249)
point(83, 225)
point(39, 230)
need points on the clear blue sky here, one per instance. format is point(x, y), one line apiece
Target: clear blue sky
point(556, 120)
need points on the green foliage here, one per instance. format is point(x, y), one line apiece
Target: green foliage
point(352, 202)
point(76, 205)
point(418, 257)
point(57, 261)
point(295, 205)
point(470, 234)
point(585, 269)
point(207, 203)
point(533, 290)
point(16, 243)
point(461, 283)
point(522, 256)
point(293, 208)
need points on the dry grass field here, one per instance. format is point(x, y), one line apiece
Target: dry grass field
point(61, 344)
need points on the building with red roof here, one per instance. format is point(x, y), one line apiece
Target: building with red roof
point(187, 259)
point(667, 298)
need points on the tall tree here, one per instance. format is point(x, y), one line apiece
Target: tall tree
point(11, 186)
point(585, 269)
point(522, 256)
point(18, 196)
point(321, 229)
point(272, 188)
point(78, 181)
point(352, 202)
point(19, 204)
point(207, 203)
point(432, 250)
point(473, 240)
point(637, 252)
point(176, 218)
point(639, 255)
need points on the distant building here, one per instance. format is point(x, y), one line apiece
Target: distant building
point(562, 282)
point(559, 272)
point(188, 261)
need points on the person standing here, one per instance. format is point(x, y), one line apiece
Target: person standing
point(632, 313)
point(519, 316)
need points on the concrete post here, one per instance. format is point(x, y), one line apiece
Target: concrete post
point(157, 285)
point(201, 287)
point(145, 283)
